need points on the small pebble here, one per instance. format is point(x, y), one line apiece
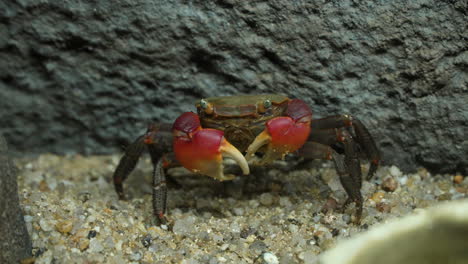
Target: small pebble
point(346, 218)
point(91, 234)
point(395, 171)
point(136, 256)
point(64, 226)
point(285, 202)
point(238, 211)
point(335, 232)
point(184, 226)
point(83, 244)
point(458, 179)
point(146, 241)
point(45, 225)
point(36, 252)
point(293, 228)
point(389, 184)
point(377, 196)
point(43, 187)
point(270, 258)
point(258, 246)
point(266, 199)
point(84, 196)
point(95, 245)
point(247, 232)
point(224, 247)
point(383, 207)
point(330, 205)
point(423, 172)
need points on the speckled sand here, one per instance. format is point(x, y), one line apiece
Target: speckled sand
point(273, 216)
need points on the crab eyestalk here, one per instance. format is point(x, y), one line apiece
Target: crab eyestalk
point(202, 150)
point(283, 135)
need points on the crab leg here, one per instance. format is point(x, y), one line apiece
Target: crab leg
point(155, 135)
point(159, 192)
point(126, 165)
point(202, 150)
point(363, 137)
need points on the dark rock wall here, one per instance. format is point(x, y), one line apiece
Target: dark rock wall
point(87, 76)
point(14, 239)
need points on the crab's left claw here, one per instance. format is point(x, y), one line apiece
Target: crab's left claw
point(202, 150)
point(283, 135)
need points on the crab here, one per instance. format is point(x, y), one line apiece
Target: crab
point(251, 130)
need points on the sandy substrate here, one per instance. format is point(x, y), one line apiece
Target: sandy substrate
point(285, 214)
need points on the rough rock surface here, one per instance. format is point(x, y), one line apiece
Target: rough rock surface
point(81, 76)
point(14, 239)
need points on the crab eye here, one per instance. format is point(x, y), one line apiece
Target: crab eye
point(263, 106)
point(207, 107)
point(203, 103)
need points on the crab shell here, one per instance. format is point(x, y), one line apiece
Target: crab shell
point(241, 117)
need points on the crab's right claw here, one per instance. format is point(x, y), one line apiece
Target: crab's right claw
point(284, 134)
point(202, 151)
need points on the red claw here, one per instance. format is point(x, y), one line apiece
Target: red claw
point(298, 109)
point(289, 133)
point(191, 147)
point(284, 134)
point(195, 152)
point(201, 150)
point(187, 122)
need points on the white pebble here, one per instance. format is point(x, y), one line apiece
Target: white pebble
point(285, 202)
point(293, 228)
point(118, 245)
point(224, 247)
point(45, 225)
point(266, 199)
point(184, 226)
point(255, 203)
point(136, 256)
point(403, 180)
point(395, 171)
point(95, 245)
point(238, 211)
point(270, 258)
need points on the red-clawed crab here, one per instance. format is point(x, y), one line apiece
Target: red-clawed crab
point(270, 125)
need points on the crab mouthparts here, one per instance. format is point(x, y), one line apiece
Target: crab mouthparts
point(203, 153)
